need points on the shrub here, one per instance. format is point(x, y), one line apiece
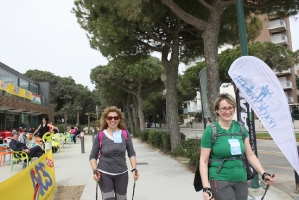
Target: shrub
point(136, 132)
point(60, 128)
point(144, 135)
point(151, 137)
point(166, 141)
point(179, 151)
point(183, 136)
point(192, 146)
point(158, 140)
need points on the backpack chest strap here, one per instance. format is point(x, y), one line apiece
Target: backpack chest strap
point(223, 160)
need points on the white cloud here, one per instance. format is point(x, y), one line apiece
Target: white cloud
point(44, 35)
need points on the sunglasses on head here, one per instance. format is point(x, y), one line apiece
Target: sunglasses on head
point(111, 117)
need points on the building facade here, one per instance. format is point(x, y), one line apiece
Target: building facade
point(23, 101)
point(277, 30)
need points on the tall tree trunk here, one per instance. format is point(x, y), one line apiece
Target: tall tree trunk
point(171, 69)
point(65, 120)
point(140, 110)
point(210, 36)
point(88, 122)
point(78, 117)
point(135, 113)
point(130, 115)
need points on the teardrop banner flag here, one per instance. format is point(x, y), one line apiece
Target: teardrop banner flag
point(264, 93)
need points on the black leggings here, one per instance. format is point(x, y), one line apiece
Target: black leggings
point(114, 186)
point(75, 135)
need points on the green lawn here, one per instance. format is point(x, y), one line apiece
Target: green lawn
point(268, 137)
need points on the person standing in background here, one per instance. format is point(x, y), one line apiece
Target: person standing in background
point(43, 128)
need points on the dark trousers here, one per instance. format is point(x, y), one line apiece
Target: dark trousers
point(36, 151)
point(114, 186)
point(225, 190)
point(75, 135)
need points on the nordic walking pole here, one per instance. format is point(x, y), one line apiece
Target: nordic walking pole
point(134, 186)
point(133, 190)
point(96, 190)
point(97, 173)
point(273, 175)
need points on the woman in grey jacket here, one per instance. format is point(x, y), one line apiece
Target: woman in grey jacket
point(110, 147)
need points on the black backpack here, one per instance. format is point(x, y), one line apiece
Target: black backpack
point(250, 171)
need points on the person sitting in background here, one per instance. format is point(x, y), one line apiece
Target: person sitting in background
point(78, 130)
point(23, 137)
point(72, 132)
point(56, 131)
point(15, 145)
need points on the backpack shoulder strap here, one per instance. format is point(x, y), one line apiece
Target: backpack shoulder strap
point(125, 133)
point(214, 133)
point(241, 124)
point(101, 138)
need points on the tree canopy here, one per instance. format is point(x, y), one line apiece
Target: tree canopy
point(132, 29)
point(67, 96)
point(211, 26)
point(138, 79)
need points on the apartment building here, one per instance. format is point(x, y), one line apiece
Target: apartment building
point(277, 30)
point(23, 101)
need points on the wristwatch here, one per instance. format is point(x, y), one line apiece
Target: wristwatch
point(134, 170)
point(95, 171)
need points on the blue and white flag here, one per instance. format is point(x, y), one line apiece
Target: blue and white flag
point(264, 93)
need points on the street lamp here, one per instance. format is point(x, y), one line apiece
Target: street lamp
point(164, 79)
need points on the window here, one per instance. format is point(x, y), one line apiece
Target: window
point(33, 88)
point(8, 77)
point(24, 84)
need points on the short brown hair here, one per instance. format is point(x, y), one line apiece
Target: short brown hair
point(224, 96)
point(103, 124)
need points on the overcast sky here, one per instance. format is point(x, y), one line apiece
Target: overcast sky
point(44, 35)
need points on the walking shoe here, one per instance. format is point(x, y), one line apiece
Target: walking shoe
point(24, 165)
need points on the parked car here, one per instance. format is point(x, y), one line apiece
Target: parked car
point(295, 114)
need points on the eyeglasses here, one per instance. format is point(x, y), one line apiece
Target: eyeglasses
point(224, 109)
point(111, 117)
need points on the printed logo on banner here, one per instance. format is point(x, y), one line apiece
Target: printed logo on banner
point(41, 179)
point(3, 85)
point(16, 90)
point(27, 94)
point(259, 97)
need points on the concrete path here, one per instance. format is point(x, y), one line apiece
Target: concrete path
point(161, 177)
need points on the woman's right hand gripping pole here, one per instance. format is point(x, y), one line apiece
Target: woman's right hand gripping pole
point(207, 193)
point(96, 175)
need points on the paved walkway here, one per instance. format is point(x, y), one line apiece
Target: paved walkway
point(161, 177)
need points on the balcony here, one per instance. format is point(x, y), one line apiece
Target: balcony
point(272, 15)
point(280, 39)
point(286, 85)
point(277, 26)
point(192, 110)
point(283, 72)
point(290, 99)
